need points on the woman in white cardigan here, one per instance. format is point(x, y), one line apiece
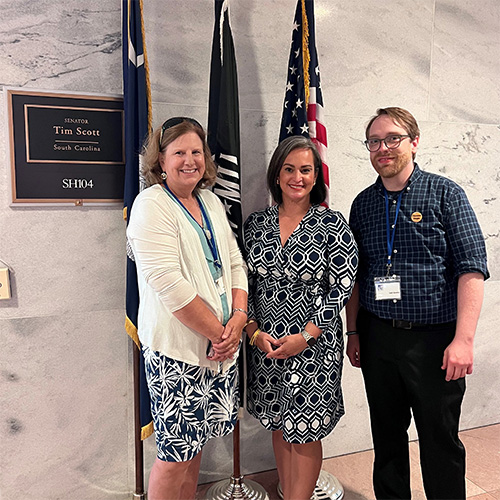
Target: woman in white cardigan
point(193, 301)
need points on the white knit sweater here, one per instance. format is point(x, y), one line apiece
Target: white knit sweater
point(172, 270)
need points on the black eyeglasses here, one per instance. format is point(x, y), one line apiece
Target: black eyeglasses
point(391, 142)
point(176, 120)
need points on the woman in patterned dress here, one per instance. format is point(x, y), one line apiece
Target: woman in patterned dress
point(193, 300)
point(301, 260)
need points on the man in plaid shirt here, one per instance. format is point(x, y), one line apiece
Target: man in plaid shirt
point(413, 314)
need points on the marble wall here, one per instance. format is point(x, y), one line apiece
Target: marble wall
point(65, 361)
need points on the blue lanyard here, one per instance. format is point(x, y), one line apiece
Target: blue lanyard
point(208, 232)
point(391, 233)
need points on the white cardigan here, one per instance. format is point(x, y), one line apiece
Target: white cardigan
point(172, 270)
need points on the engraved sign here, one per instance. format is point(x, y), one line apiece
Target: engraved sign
point(66, 148)
point(75, 135)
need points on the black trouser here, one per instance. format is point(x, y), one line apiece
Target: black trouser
point(402, 373)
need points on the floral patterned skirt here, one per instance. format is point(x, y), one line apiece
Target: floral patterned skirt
point(189, 404)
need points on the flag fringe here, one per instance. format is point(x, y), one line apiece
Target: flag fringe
point(146, 431)
point(131, 330)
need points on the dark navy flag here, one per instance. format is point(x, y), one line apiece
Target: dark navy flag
point(224, 118)
point(137, 107)
point(303, 106)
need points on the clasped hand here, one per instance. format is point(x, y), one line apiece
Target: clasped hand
point(228, 346)
point(282, 348)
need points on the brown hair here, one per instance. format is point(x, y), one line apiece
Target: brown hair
point(152, 150)
point(318, 192)
point(401, 117)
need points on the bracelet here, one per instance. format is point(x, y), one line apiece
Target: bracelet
point(237, 309)
point(352, 332)
point(255, 335)
point(249, 322)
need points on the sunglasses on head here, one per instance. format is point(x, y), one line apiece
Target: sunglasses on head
point(176, 120)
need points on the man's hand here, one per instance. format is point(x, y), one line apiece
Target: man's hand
point(458, 359)
point(352, 350)
point(458, 356)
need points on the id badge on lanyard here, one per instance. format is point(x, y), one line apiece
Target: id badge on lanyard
point(389, 287)
point(219, 284)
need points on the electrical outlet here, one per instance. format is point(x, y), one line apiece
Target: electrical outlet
point(4, 283)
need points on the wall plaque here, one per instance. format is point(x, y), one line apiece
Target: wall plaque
point(65, 148)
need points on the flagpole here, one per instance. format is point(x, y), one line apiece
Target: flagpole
point(224, 143)
point(139, 448)
point(236, 449)
point(236, 487)
point(138, 122)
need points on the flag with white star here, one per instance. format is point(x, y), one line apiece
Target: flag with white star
point(138, 117)
point(224, 118)
point(303, 107)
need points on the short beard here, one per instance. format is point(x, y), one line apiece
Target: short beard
point(400, 161)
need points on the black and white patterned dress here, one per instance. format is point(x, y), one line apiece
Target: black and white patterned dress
point(310, 278)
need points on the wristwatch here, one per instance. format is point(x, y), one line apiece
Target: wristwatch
point(308, 338)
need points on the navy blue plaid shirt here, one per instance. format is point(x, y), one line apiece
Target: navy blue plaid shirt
point(428, 255)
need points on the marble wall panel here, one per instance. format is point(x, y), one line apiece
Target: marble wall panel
point(482, 399)
point(363, 58)
point(62, 45)
point(374, 54)
point(63, 259)
point(179, 42)
point(259, 140)
point(466, 62)
point(63, 412)
point(262, 40)
point(180, 71)
point(468, 154)
point(348, 159)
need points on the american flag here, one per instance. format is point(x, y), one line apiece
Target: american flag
point(303, 106)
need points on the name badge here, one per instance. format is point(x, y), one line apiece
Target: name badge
point(219, 284)
point(388, 288)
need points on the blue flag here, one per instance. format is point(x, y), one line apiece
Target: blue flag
point(137, 106)
point(303, 112)
point(224, 118)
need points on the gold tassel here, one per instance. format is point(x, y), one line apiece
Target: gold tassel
point(131, 329)
point(306, 57)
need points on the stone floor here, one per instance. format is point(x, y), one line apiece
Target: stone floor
point(354, 470)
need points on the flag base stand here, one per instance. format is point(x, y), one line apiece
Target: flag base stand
point(139, 496)
point(328, 487)
point(236, 488)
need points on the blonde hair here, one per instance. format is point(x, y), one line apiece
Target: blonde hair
point(152, 150)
